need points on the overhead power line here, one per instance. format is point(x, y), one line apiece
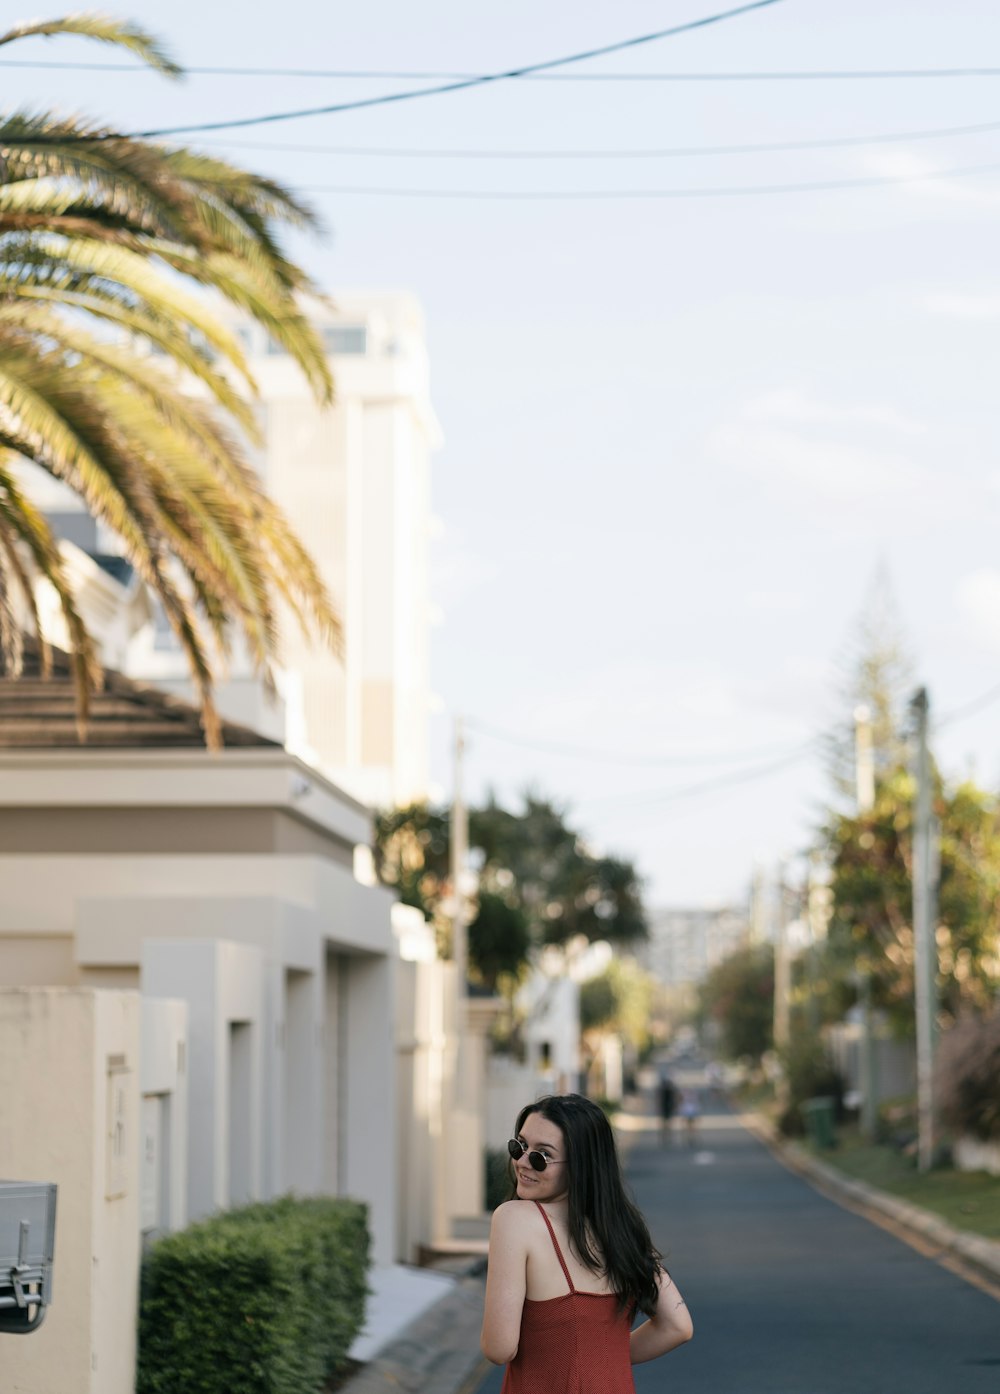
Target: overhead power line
point(404, 75)
point(619, 757)
point(646, 798)
point(637, 195)
point(463, 84)
point(986, 699)
point(653, 153)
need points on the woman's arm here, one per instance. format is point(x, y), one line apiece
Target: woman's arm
point(506, 1279)
point(669, 1326)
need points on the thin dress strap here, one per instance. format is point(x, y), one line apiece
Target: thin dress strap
point(555, 1245)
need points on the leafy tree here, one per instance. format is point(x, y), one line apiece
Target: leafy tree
point(872, 925)
point(563, 888)
point(411, 854)
point(598, 1002)
point(618, 1002)
point(106, 246)
point(499, 939)
point(738, 995)
point(538, 882)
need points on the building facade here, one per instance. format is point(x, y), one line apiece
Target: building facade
point(684, 945)
point(353, 478)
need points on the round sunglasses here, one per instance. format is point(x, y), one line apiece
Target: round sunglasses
point(536, 1160)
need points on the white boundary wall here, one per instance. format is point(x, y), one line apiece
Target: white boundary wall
point(69, 1086)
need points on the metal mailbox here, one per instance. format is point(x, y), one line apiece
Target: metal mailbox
point(27, 1242)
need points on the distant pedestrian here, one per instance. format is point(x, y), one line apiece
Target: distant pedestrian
point(569, 1273)
point(690, 1111)
point(667, 1101)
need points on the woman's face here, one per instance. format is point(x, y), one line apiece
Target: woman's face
point(552, 1183)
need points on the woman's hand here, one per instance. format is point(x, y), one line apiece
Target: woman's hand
point(506, 1282)
point(669, 1326)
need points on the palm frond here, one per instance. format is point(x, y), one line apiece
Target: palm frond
point(262, 297)
point(21, 522)
point(104, 235)
point(17, 574)
point(132, 270)
point(142, 374)
point(11, 635)
point(104, 29)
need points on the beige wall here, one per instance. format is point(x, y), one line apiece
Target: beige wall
point(164, 830)
point(69, 1083)
point(38, 960)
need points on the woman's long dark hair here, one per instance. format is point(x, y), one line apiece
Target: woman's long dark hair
point(607, 1231)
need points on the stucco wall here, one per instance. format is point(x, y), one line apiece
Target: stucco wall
point(163, 830)
point(69, 1083)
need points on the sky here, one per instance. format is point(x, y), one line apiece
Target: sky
point(683, 432)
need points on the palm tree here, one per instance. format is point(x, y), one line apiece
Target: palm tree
point(112, 250)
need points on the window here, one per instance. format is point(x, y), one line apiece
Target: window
point(346, 339)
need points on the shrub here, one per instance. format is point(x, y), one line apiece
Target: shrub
point(265, 1300)
point(969, 1077)
point(809, 1074)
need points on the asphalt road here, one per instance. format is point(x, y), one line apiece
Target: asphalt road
point(791, 1294)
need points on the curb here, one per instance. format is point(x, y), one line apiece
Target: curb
point(438, 1353)
point(980, 1254)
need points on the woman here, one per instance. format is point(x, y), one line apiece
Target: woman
point(569, 1272)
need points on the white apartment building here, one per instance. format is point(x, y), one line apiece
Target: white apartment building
point(684, 945)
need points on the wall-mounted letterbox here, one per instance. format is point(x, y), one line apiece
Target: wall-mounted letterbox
point(27, 1241)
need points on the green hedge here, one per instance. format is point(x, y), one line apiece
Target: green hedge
point(264, 1300)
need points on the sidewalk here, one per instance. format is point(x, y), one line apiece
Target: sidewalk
point(438, 1351)
point(927, 1231)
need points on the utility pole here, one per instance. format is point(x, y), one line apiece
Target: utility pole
point(815, 919)
point(782, 968)
point(925, 964)
point(757, 911)
point(458, 1149)
point(864, 760)
point(459, 854)
point(864, 768)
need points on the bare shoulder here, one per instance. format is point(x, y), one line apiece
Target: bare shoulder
point(512, 1217)
point(509, 1214)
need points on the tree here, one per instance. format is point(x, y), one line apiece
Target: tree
point(871, 858)
point(538, 882)
point(499, 939)
point(738, 995)
point(411, 854)
point(876, 674)
point(617, 1003)
point(107, 244)
point(563, 888)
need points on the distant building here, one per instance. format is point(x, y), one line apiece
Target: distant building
point(684, 945)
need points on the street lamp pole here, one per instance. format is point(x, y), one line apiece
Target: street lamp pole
point(864, 767)
point(458, 856)
point(925, 876)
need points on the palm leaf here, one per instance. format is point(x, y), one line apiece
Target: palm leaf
point(21, 522)
point(102, 232)
point(105, 30)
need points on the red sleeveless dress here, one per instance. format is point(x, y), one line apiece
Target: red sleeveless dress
point(574, 1344)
